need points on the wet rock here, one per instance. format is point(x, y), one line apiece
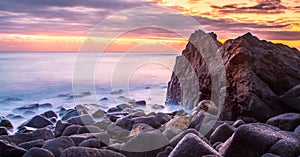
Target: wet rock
point(45, 105)
point(58, 145)
point(165, 153)
point(247, 119)
point(208, 106)
point(28, 107)
point(35, 143)
point(113, 118)
point(176, 139)
point(238, 123)
point(37, 121)
point(103, 137)
point(192, 146)
point(103, 99)
point(269, 155)
point(70, 130)
point(43, 134)
point(28, 113)
point(125, 123)
point(38, 152)
point(10, 100)
point(25, 129)
point(8, 149)
point(60, 127)
point(91, 143)
point(114, 109)
point(102, 124)
point(287, 121)
point(81, 120)
point(5, 123)
point(171, 132)
point(145, 144)
point(179, 112)
point(297, 130)
point(89, 152)
point(162, 117)
point(49, 114)
point(147, 120)
point(99, 113)
point(124, 105)
point(157, 106)
point(3, 131)
point(140, 127)
point(117, 132)
point(181, 123)
point(141, 103)
point(291, 98)
point(70, 113)
point(221, 133)
point(88, 129)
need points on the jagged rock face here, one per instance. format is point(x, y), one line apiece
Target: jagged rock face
point(257, 73)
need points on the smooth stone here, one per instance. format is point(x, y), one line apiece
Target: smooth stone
point(58, 145)
point(91, 143)
point(208, 106)
point(10, 100)
point(145, 144)
point(103, 99)
point(88, 129)
point(25, 129)
point(102, 124)
point(297, 130)
point(28, 107)
point(125, 123)
point(46, 105)
point(141, 103)
point(124, 105)
point(147, 120)
point(117, 132)
point(221, 133)
point(238, 123)
point(37, 121)
point(81, 120)
point(291, 98)
point(171, 132)
point(179, 112)
point(162, 118)
point(49, 114)
point(30, 144)
point(140, 127)
point(192, 146)
point(99, 113)
point(113, 118)
point(8, 149)
point(63, 95)
point(70, 113)
point(247, 119)
point(125, 99)
point(103, 137)
point(286, 121)
point(60, 127)
point(43, 134)
point(165, 153)
point(114, 109)
point(70, 130)
point(28, 113)
point(38, 152)
point(157, 106)
point(181, 123)
point(3, 131)
point(89, 152)
point(176, 139)
point(5, 123)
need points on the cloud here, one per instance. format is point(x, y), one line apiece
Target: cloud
point(263, 7)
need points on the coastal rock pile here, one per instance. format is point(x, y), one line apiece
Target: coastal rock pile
point(262, 78)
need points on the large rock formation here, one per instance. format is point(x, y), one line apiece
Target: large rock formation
point(257, 74)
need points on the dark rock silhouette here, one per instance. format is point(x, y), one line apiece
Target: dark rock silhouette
point(257, 74)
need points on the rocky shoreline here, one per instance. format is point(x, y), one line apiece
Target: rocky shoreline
point(133, 133)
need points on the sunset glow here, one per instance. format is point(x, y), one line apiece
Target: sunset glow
point(56, 26)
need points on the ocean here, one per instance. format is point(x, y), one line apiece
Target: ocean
point(68, 79)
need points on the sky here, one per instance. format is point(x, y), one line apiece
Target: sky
point(140, 25)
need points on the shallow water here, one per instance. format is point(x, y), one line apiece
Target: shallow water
point(41, 77)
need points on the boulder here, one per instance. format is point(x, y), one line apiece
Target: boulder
point(145, 144)
point(103, 137)
point(221, 133)
point(192, 146)
point(8, 149)
point(269, 155)
point(60, 127)
point(30, 144)
point(99, 113)
point(49, 114)
point(162, 118)
point(58, 145)
point(147, 120)
point(70, 130)
point(3, 131)
point(88, 129)
point(125, 123)
point(287, 121)
point(70, 113)
point(89, 152)
point(81, 120)
point(91, 143)
point(291, 98)
point(238, 123)
point(140, 127)
point(43, 134)
point(102, 124)
point(38, 152)
point(257, 73)
point(171, 132)
point(117, 132)
point(37, 121)
point(297, 130)
point(5, 123)
point(165, 153)
point(28, 107)
point(176, 139)
point(141, 102)
point(179, 122)
point(45, 105)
